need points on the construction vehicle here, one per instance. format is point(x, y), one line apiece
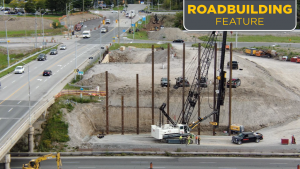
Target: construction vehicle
point(266, 53)
point(236, 128)
point(298, 60)
point(250, 51)
point(35, 163)
point(170, 132)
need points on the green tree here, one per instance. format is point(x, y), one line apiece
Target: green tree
point(21, 4)
point(79, 4)
point(30, 6)
point(7, 1)
point(40, 4)
point(179, 20)
point(14, 3)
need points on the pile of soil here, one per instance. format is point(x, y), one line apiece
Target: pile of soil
point(98, 80)
point(169, 34)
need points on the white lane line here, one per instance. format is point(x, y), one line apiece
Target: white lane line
point(37, 87)
point(4, 87)
point(45, 80)
point(35, 67)
point(61, 68)
point(10, 109)
point(19, 102)
point(65, 65)
point(86, 167)
point(71, 162)
point(278, 163)
point(207, 162)
point(13, 81)
point(57, 71)
point(53, 73)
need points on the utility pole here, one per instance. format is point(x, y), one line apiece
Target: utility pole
point(75, 58)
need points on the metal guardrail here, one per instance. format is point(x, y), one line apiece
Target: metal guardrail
point(26, 58)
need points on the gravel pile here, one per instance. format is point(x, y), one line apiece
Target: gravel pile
point(169, 34)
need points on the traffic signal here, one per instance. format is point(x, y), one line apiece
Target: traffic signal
point(103, 22)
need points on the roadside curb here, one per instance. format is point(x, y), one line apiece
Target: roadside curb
point(160, 153)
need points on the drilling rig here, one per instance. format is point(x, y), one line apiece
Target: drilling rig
point(182, 127)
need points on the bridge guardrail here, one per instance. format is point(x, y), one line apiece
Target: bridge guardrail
point(22, 128)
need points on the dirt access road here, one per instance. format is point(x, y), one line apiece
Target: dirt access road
point(267, 101)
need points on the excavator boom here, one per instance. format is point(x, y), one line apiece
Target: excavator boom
point(35, 163)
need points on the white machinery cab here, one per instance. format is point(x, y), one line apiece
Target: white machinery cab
point(168, 130)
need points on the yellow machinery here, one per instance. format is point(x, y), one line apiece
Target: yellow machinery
point(35, 163)
point(250, 51)
point(236, 128)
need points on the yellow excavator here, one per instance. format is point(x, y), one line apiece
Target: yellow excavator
point(35, 163)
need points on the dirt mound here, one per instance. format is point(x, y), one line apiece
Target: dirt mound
point(169, 34)
point(98, 80)
point(129, 56)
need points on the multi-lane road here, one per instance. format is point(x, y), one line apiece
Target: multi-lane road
point(164, 163)
point(14, 92)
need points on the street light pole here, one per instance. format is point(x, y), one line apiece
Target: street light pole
point(29, 96)
point(75, 58)
point(118, 24)
point(8, 60)
point(35, 32)
point(43, 29)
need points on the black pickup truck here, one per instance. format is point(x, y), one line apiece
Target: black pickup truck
point(246, 137)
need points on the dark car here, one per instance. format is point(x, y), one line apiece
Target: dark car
point(246, 137)
point(47, 73)
point(203, 82)
point(164, 82)
point(235, 83)
point(178, 41)
point(179, 82)
point(141, 10)
point(53, 52)
point(235, 65)
point(42, 57)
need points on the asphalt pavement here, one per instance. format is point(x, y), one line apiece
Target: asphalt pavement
point(163, 162)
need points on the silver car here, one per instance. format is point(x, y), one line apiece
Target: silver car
point(53, 52)
point(63, 47)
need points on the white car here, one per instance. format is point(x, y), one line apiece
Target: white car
point(127, 14)
point(107, 21)
point(114, 11)
point(63, 47)
point(103, 30)
point(19, 69)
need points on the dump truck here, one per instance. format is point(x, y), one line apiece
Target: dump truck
point(250, 51)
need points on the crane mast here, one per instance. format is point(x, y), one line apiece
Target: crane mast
point(193, 95)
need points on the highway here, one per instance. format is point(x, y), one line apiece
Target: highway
point(14, 92)
point(164, 163)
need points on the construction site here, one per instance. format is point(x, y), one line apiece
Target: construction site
point(266, 98)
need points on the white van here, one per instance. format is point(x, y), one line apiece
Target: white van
point(86, 34)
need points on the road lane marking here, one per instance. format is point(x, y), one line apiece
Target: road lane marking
point(10, 109)
point(278, 163)
point(86, 167)
point(71, 162)
point(21, 76)
point(61, 68)
point(13, 81)
point(46, 79)
point(207, 162)
point(37, 87)
point(39, 75)
point(57, 71)
point(4, 87)
point(39, 79)
point(19, 102)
